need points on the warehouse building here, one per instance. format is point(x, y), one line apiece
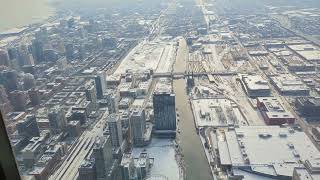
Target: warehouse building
point(289, 85)
point(256, 86)
point(264, 152)
point(308, 107)
point(273, 112)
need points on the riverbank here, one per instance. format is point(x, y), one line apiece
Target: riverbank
point(195, 161)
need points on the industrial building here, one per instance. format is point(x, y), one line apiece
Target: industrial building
point(273, 111)
point(289, 85)
point(308, 107)
point(310, 171)
point(256, 86)
point(264, 152)
point(308, 52)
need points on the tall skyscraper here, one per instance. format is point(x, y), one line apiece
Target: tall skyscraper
point(24, 57)
point(128, 170)
point(4, 58)
point(115, 129)
point(164, 108)
point(9, 79)
point(13, 53)
point(57, 119)
point(113, 101)
point(28, 127)
point(102, 153)
point(69, 51)
point(18, 100)
point(28, 81)
point(34, 97)
point(91, 94)
point(5, 105)
point(138, 126)
point(38, 50)
point(50, 55)
point(100, 81)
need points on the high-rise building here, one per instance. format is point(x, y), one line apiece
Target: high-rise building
point(28, 81)
point(28, 127)
point(42, 34)
point(90, 89)
point(113, 101)
point(87, 170)
point(34, 97)
point(81, 51)
point(69, 51)
point(102, 153)
point(9, 79)
point(164, 108)
point(74, 128)
point(5, 105)
point(135, 168)
point(138, 126)
point(50, 55)
point(115, 129)
point(4, 58)
point(13, 53)
point(70, 22)
point(79, 115)
point(127, 167)
point(29, 69)
point(18, 100)
point(143, 165)
point(38, 50)
point(57, 119)
point(100, 81)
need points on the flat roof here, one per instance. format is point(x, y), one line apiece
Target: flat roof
point(255, 82)
point(275, 108)
point(288, 82)
point(270, 150)
point(313, 55)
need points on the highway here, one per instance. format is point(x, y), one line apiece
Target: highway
point(69, 168)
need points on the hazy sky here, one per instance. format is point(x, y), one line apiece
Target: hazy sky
point(22, 12)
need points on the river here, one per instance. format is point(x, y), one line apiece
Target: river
point(17, 13)
point(197, 166)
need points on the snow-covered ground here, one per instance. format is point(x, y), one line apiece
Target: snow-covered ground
point(163, 152)
point(209, 108)
point(157, 55)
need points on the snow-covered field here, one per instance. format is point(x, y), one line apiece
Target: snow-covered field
point(157, 55)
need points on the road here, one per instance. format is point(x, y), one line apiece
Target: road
point(69, 168)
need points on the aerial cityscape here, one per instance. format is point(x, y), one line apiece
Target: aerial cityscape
point(164, 90)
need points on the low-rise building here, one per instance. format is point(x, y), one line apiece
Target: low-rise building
point(311, 171)
point(256, 86)
point(273, 111)
point(264, 152)
point(308, 107)
point(289, 85)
